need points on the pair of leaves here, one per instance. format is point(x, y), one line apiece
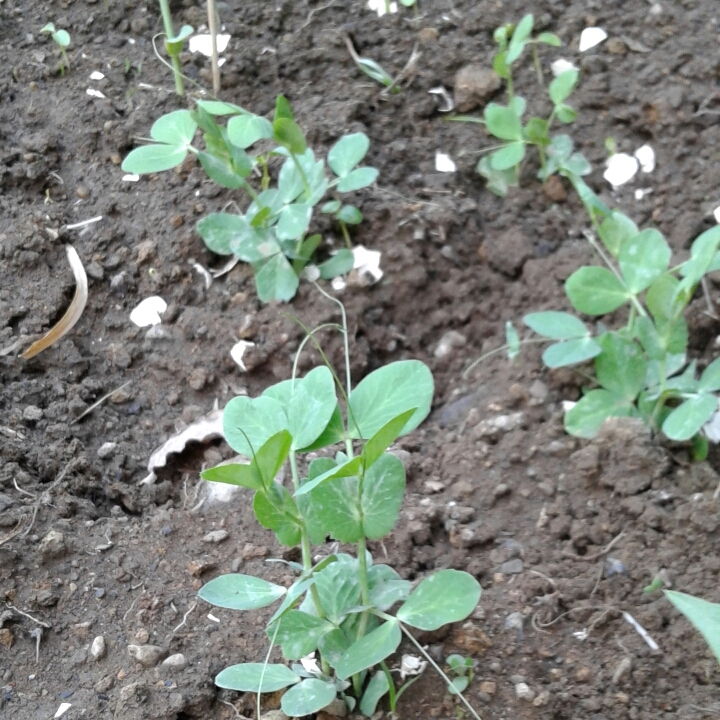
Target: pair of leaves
point(344, 158)
point(575, 346)
point(174, 133)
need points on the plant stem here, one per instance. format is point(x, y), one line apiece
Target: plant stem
point(303, 176)
point(529, 341)
point(511, 94)
point(170, 33)
point(538, 67)
point(212, 25)
point(346, 234)
point(438, 670)
point(391, 686)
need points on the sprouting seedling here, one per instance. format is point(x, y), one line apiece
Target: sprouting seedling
point(273, 232)
point(462, 670)
point(174, 44)
point(62, 40)
point(339, 610)
point(502, 166)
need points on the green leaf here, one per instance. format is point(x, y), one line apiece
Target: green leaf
point(347, 152)
point(565, 114)
point(298, 633)
point(374, 71)
point(649, 338)
point(702, 254)
point(222, 172)
point(576, 164)
point(357, 179)
point(294, 593)
point(561, 87)
point(340, 263)
point(240, 592)
point(331, 206)
point(294, 221)
point(503, 122)
point(498, 180)
point(247, 678)
point(549, 39)
point(335, 509)
point(245, 130)
point(621, 367)
point(384, 438)
point(687, 419)
point(615, 230)
point(349, 214)
point(445, 597)
point(248, 423)
point(643, 259)
point(333, 433)
point(660, 298)
point(704, 615)
point(272, 455)
point(154, 158)
point(512, 340)
point(710, 379)
point(387, 392)
point(382, 494)
point(556, 325)
point(339, 589)
point(571, 352)
point(369, 650)
point(348, 469)
point(591, 411)
point(276, 280)
point(375, 690)
point(519, 39)
point(227, 234)
point(308, 697)
point(62, 38)
point(595, 291)
point(283, 109)
point(536, 131)
point(508, 156)
point(276, 510)
point(216, 107)
point(312, 404)
point(176, 128)
point(234, 474)
point(290, 182)
point(386, 587)
point(288, 134)
point(185, 32)
point(459, 684)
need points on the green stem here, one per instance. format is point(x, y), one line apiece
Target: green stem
point(305, 182)
point(502, 348)
point(391, 686)
point(346, 234)
point(511, 94)
point(170, 33)
point(538, 67)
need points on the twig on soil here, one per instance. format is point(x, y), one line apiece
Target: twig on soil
point(99, 402)
point(84, 223)
point(597, 555)
point(28, 616)
point(406, 72)
point(45, 496)
point(185, 617)
point(13, 533)
point(24, 492)
point(544, 577)
point(607, 608)
point(132, 605)
point(37, 634)
point(238, 715)
point(313, 11)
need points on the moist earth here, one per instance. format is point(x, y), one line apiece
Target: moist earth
point(562, 534)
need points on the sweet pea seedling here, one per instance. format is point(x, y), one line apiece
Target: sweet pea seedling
point(272, 233)
point(502, 167)
point(62, 40)
point(340, 607)
point(174, 44)
point(641, 369)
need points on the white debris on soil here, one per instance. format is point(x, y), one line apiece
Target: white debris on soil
point(204, 272)
point(381, 7)
point(238, 350)
point(95, 75)
point(94, 93)
point(646, 158)
point(367, 263)
point(203, 44)
point(590, 37)
point(716, 214)
point(216, 536)
point(441, 92)
point(98, 648)
point(130, 178)
point(208, 427)
point(562, 65)
point(523, 692)
point(444, 163)
point(310, 663)
point(641, 631)
point(411, 665)
point(640, 193)
point(568, 405)
point(621, 168)
point(64, 707)
point(148, 312)
point(449, 342)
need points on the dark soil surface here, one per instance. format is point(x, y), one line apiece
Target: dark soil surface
point(563, 535)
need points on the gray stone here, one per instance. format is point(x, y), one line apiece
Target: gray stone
point(475, 84)
point(523, 692)
point(106, 450)
point(512, 567)
point(177, 661)
point(32, 413)
point(147, 655)
point(98, 648)
point(450, 341)
point(216, 536)
point(52, 545)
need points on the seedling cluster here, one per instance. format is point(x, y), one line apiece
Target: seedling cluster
point(272, 233)
point(336, 617)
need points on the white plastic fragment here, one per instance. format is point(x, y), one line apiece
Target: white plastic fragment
point(641, 631)
point(444, 163)
point(64, 707)
point(237, 352)
point(310, 663)
point(640, 193)
point(441, 92)
point(203, 44)
point(84, 223)
point(380, 7)
point(338, 283)
point(207, 277)
point(590, 37)
point(95, 75)
point(148, 312)
point(646, 158)
point(94, 93)
point(621, 168)
point(213, 618)
point(411, 665)
point(562, 65)
point(367, 262)
point(581, 634)
point(130, 178)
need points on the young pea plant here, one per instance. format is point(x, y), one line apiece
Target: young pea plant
point(462, 670)
point(501, 168)
point(174, 44)
point(272, 233)
point(336, 617)
point(641, 369)
point(62, 40)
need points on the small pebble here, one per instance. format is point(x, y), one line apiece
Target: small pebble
point(515, 621)
point(147, 655)
point(98, 648)
point(583, 675)
point(99, 592)
point(32, 413)
point(106, 450)
point(82, 192)
point(501, 490)
point(177, 661)
point(142, 636)
point(523, 692)
point(489, 687)
point(166, 530)
point(216, 536)
point(449, 342)
point(512, 567)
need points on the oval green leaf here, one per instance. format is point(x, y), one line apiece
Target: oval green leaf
point(556, 325)
point(245, 130)
point(643, 258)
point(710, 379)
point(503, 122)
point(382, 494)
point(308, 697)
point(347, 152)
point(571, 352)
point(256, 677)
point(687, 419)
point(288, 134)
point(369, 650)
point(248, 423)
point(276, 280)
point(445, 597)
point(704, 615)
point(154, 158)
point(240, 592)
point(357, 179)
point(595, 291)
point(620, 367)
point(561, 87)
point(220, 231)
point(175, 128)
point(592, 410)
point(509, 156)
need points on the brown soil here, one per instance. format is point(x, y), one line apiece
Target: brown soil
point(455, 258)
